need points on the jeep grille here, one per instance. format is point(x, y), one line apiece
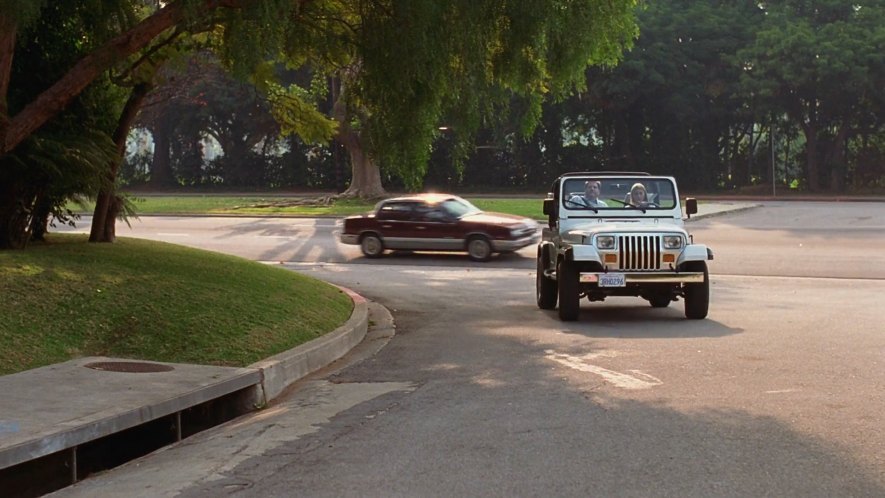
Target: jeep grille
point(639, 252)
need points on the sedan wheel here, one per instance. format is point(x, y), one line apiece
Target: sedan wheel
point(479, 249)
point(371, 245)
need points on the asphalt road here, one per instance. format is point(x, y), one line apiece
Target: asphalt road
point(780, 392)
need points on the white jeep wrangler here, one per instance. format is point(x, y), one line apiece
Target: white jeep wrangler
point(606, 238)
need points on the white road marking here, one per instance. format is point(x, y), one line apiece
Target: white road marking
point(638, 379)
point(782, 391)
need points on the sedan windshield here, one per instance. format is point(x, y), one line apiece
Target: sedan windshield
point(458, 207)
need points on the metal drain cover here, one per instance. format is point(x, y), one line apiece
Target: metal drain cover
point(129, 366)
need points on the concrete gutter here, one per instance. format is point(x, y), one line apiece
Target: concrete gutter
point(62, 406)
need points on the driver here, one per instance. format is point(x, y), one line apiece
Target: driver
point(591, 195)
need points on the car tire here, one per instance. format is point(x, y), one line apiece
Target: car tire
point(479, 248)
point(544, 287)
point(697, 296)
point(569, 292)
point(371, 245)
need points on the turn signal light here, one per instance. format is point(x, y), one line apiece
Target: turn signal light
point(669, 258)
point(611, 258)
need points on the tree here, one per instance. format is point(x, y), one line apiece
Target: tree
point(672, 105)
point(401, 63)
point(196, 98)
point(821, 64)
point(116, 35)
point(399, 68)
point(65, 158)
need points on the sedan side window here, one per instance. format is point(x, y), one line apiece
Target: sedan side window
point(395, 211)
point(430, 213)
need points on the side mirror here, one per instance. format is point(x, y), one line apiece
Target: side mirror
point(548, 206)
point(691, 206)
point(550, 209)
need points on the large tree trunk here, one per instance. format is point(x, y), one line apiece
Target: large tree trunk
point(39, 219)
point(366, 175)
point(366, 179)
point(812, 171)
point(7, 50)
point(107, 204)
point(806, 115)
point(836, 159)
point(161, 165)
point(15, 211)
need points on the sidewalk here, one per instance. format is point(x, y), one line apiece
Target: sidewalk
point(58, 423)
point(54, 420)
point(708, 209)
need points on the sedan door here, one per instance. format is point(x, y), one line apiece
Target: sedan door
point(395, 224)
point(436, 229)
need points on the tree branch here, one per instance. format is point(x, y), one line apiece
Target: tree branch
point(59, 95)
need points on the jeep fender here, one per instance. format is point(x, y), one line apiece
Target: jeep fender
point(694, 252)
point(580, 253)
point(545, 252)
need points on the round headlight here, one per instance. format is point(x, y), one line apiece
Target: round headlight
point(672, 242)
point(605, 242)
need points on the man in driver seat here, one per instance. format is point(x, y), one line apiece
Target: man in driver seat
point(591, 195)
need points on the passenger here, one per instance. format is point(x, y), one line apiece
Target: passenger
point(637, 196)
point(591, 195)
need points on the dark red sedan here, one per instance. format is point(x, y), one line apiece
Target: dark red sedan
point(437, 222)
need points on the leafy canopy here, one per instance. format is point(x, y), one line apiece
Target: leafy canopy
point(407, 65)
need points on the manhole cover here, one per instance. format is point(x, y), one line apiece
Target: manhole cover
point(128, 366)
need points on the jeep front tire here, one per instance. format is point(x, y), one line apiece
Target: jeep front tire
point(697, 296)
point(545, 288)
point(569, 292)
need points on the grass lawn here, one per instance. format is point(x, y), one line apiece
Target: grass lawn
point(248, 205)
point(153, 301)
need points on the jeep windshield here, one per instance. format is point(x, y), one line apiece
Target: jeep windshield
point(610, 193)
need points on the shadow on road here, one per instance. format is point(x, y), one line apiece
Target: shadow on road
point(513, 425)
point(637, 320)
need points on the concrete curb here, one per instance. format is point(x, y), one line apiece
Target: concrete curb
point(282, 370)
point(721, 211)
point(100, 402)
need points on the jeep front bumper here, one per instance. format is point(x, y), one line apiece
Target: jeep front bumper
point(686, 277)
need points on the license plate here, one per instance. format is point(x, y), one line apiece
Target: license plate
point(612, 280)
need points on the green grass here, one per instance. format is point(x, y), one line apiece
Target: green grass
point(530, 208)
point(240, 205)
point(246, 205)
point(146, 300)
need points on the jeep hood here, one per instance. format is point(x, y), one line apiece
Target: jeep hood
point(633, 226)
